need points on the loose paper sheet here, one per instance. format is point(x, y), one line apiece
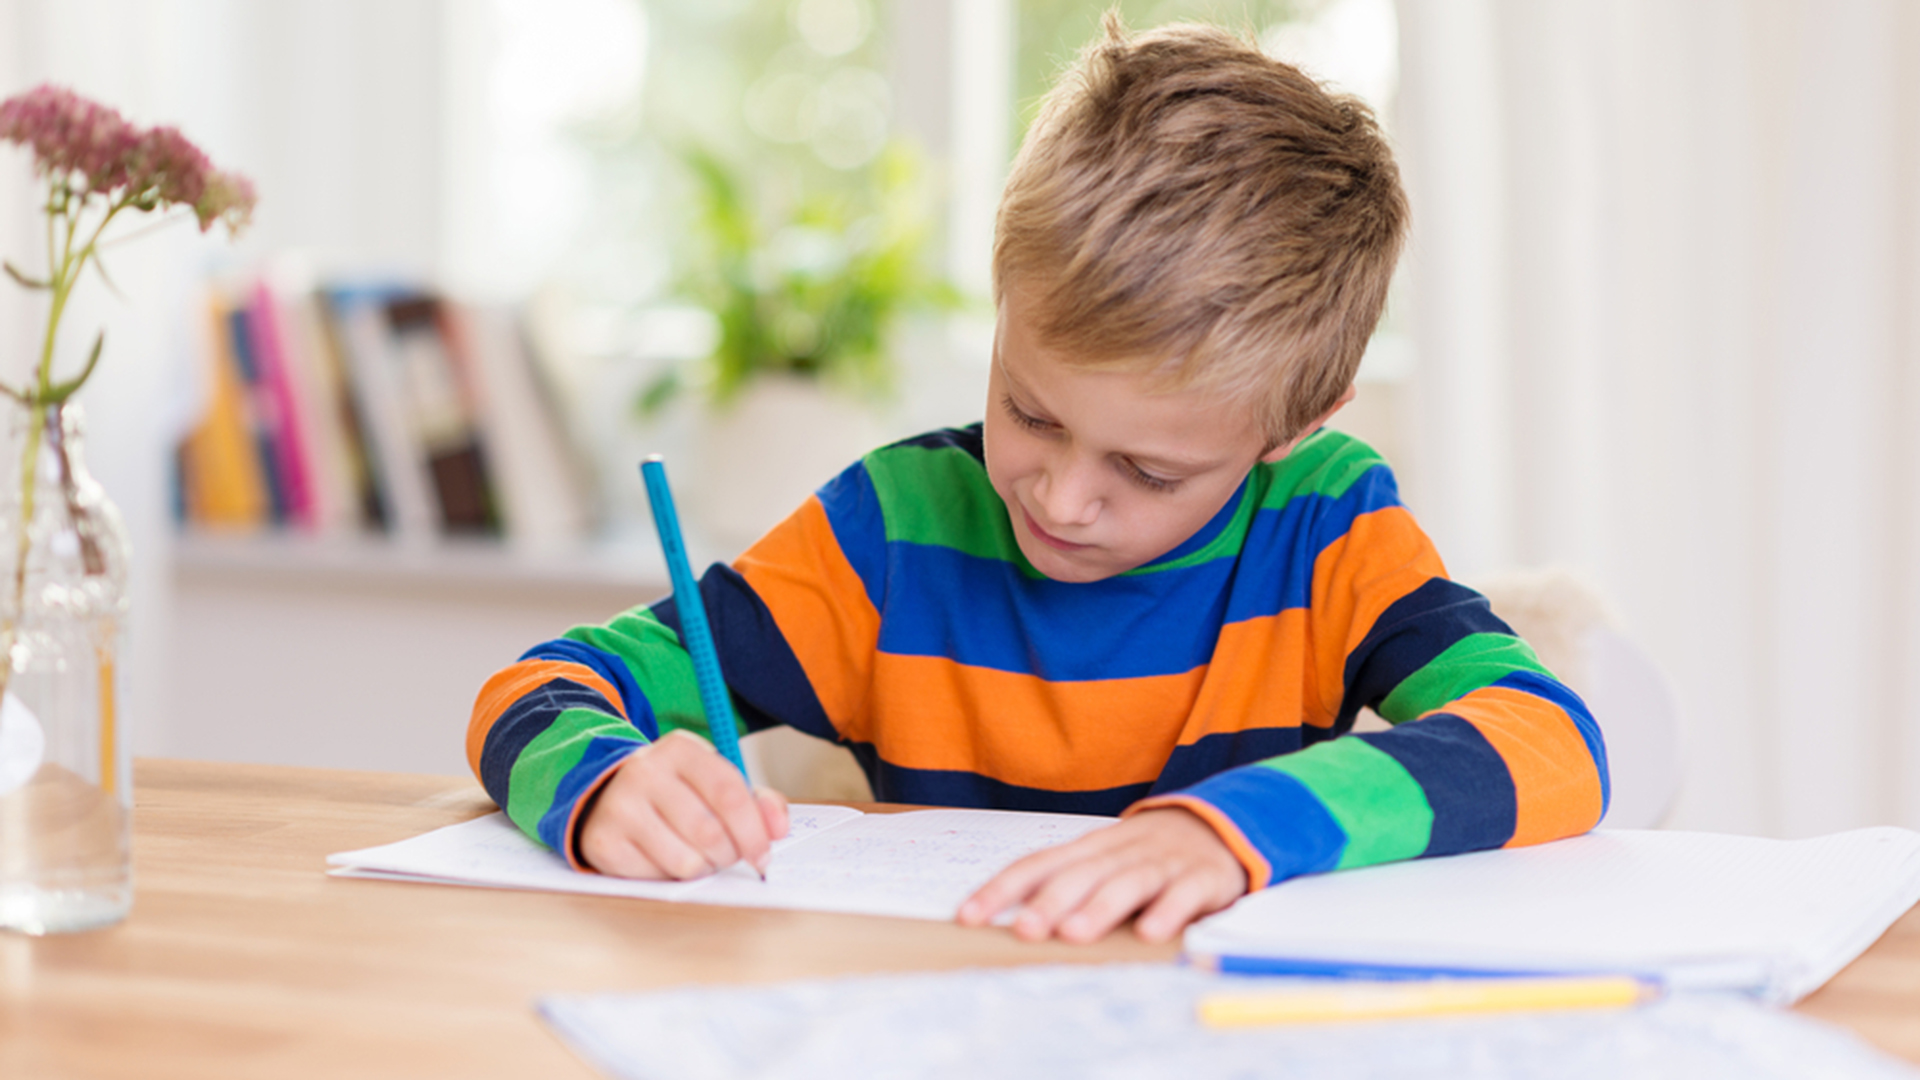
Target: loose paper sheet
point(920, 864)
point(1778, 917)
point(1136, 1022)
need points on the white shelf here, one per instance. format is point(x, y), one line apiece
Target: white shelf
point(471, 569)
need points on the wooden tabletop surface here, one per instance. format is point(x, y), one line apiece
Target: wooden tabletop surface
point(243, 959)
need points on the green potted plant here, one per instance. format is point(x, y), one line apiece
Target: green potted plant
point(805, 288)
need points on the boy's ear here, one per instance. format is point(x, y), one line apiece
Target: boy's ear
point(1280, 452)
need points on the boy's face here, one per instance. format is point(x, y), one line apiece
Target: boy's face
point(1100, 472)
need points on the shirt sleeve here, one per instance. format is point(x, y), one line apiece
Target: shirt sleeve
point(550, 729)
point(1488, 749)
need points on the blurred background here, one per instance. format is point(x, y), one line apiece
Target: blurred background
point(1659, 325)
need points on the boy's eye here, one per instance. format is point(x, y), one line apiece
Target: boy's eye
point(1031, 423)
point(1147, 480)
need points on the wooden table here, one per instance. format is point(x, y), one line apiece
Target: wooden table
point(243, 959)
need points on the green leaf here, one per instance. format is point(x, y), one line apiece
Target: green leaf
point(31, 283)
point(663, 389)
point(62, 391)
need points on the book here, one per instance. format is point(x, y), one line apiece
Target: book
point(920, 864)
point(398, 466)
point(1773, 918)
point(542, 493)
point(220, 481)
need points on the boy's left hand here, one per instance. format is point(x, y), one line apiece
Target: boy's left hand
point(1167, 864)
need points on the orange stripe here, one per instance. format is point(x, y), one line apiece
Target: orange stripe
point(932, 713)
point(1259, 870)
point(1396, 557)
point(1554, 782)
point(821, 608)
point(1258, 678)
point(510, 684)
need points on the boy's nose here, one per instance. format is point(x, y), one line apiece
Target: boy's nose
point(1067, 494)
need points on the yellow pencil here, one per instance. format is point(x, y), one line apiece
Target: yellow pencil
point(1386, 1000)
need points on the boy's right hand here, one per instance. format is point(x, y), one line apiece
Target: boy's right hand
point(676, 809)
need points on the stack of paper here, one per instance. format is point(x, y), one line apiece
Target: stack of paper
point(1775, 918)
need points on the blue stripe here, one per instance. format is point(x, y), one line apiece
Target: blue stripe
point(1407, 636)
point(985, 613)
point(952, 787)
point(1207, 534)
point(633, 702)
point(853, 511)
point(1465, 780)
point(1532, 682)
point(1223, 750)
point(522, 722)
point(1283, 544)
point(1283, 820)
point(764, 677)
point(601, 754)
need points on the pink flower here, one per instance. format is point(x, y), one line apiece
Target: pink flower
point(73, 138)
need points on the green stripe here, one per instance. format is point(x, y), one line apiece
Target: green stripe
point(1326, 463)
point(1379, 805)
point(1224, 546)
point(659, 664)
point(1473, 662)
point(544, 762)
point(941, 496)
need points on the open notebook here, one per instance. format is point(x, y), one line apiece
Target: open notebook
point(1776, 918)
point(919, 865)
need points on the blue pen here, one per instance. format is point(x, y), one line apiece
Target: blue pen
point(1301, 967)
point(693, 615)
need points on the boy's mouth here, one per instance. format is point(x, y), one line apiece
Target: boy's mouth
point(1048, 538)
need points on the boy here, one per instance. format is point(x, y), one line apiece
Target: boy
point(1147, 583)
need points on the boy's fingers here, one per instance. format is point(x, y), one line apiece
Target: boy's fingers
point(1186, 899)
point(1117, 892)
point(1012, 885)
point(641, 824)
point(692, 818)
point(733, 810)
point(773, 811)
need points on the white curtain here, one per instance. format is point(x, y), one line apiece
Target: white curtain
point(1666, 294)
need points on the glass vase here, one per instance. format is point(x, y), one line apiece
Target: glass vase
point(65, 781)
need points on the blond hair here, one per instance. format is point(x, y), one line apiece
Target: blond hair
point(1186, 204)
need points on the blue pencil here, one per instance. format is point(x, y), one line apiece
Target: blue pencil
point(693, 615)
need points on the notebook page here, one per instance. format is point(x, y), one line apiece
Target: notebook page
point(1676, 902)
point(917, 865)
point(492, 851)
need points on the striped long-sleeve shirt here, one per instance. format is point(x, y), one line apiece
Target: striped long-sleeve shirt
point(894, 613)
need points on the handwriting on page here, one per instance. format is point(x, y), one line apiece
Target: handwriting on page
point(916, 865)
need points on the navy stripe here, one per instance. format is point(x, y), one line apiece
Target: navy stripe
point(968, 440)
point(951, 787)
point(1532, 682)
point(853, 511)
point(1465, 779)
point(766, 680)
point(1302, 528)
point(522, 722)
point(1283, 820)
point(986, 613)
point(1407, 636)
point(1223, 750)
point(633, 701)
